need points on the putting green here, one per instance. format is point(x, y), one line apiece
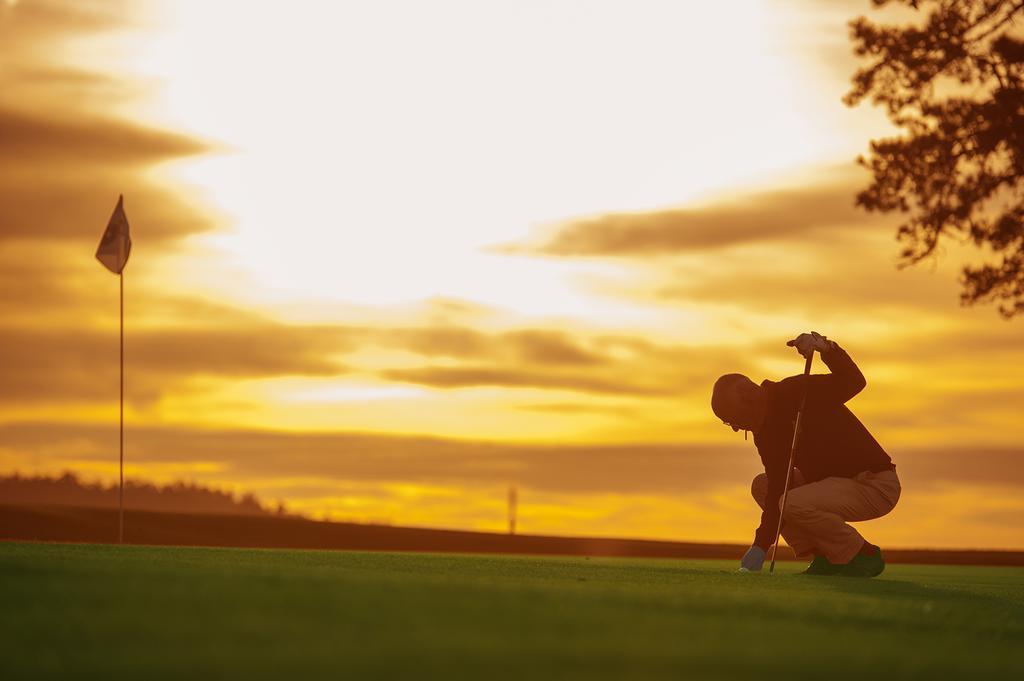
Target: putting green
point(87, 611)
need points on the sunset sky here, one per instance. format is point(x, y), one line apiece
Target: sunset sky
point(391, 258)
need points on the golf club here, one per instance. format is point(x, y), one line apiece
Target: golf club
point(792, 455)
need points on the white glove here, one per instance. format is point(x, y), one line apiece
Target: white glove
point(807, 343)
point(752, 560)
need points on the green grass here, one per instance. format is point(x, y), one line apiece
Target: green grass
point(82, 611)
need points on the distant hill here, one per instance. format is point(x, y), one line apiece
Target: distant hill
point(177, 497)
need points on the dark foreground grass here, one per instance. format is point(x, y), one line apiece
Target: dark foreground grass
point(83, 611)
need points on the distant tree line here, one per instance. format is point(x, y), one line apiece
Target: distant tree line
point(178, 497)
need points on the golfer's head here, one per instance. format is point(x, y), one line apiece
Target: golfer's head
point(734, 400)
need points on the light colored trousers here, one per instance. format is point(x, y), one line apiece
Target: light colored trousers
point(817, 512)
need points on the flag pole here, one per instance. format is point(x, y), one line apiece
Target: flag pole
point(120, 489)
point(115, 245)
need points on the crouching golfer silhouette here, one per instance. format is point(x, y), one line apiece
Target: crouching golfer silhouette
point(840, 473)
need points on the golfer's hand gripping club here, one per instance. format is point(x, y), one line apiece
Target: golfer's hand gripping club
point(807, 343)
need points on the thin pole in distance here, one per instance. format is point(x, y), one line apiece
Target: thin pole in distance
point(792, 456)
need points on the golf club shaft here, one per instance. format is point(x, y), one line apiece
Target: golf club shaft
point(792, 456)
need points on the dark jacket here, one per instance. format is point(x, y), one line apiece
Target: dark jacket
point(833, 442)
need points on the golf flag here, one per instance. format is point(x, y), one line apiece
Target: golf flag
point(113, 252)
point(116, 243)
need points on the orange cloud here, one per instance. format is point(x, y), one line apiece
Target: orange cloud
point(776, 215)
point(864, 279)
point(59, 365)
point(471, 376)
point(548, 359)
point(82, 139)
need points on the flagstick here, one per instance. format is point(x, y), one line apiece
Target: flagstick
point(120, 489)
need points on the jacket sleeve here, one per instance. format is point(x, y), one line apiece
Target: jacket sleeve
point(775, 461)
point(843, 383)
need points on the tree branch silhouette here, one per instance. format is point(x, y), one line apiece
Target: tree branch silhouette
point(955, 85)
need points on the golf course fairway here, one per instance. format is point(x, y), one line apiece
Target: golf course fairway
point(99, 611)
